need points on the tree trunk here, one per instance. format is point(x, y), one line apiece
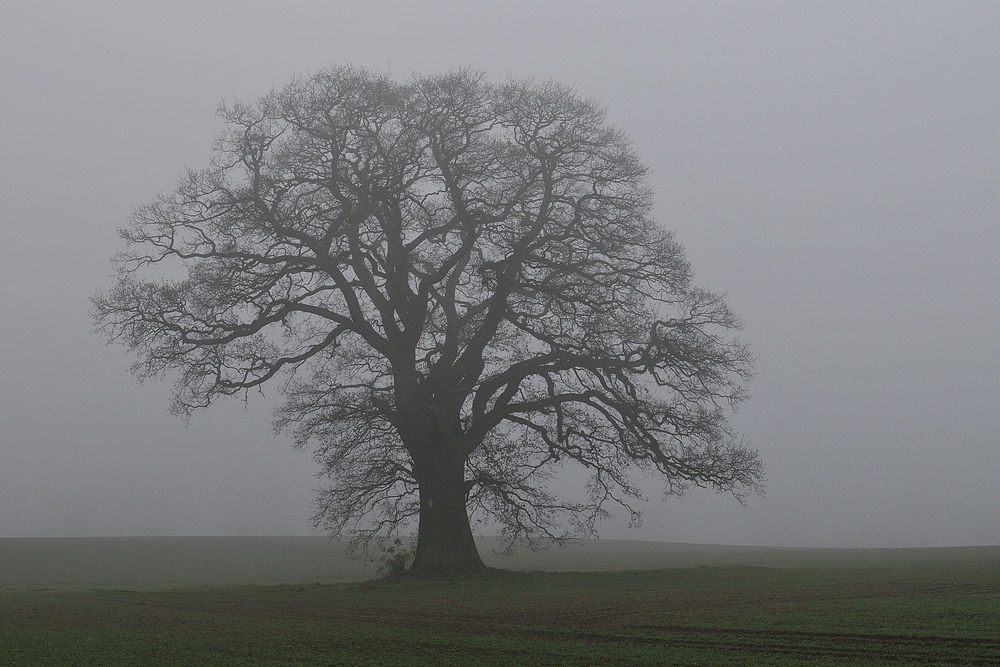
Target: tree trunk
point(444, 537)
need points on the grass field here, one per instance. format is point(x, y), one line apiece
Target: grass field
point(706, 606)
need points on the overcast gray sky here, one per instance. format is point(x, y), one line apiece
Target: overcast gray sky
point(835, 167)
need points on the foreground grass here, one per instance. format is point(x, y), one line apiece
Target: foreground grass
point(946, 612)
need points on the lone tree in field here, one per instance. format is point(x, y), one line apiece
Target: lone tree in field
point(458, 287)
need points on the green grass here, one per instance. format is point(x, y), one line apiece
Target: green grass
point(163, 562)
point(880, 608)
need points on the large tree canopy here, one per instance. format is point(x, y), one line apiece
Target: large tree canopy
point(458, 287)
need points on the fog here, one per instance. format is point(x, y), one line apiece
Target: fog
point(834, 167)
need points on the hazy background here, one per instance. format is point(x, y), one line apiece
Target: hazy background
point(833, 166)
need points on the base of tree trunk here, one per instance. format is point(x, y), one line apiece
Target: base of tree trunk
point(444, 538)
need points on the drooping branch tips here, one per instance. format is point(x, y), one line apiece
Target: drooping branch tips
point(460, 287)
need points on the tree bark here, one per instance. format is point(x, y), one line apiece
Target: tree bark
point(444, 536)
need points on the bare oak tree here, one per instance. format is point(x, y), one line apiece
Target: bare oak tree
point(459, 288)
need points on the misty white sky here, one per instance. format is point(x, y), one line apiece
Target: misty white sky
point(835, 167)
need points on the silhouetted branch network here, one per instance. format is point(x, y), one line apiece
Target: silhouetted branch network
point(436, 269)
